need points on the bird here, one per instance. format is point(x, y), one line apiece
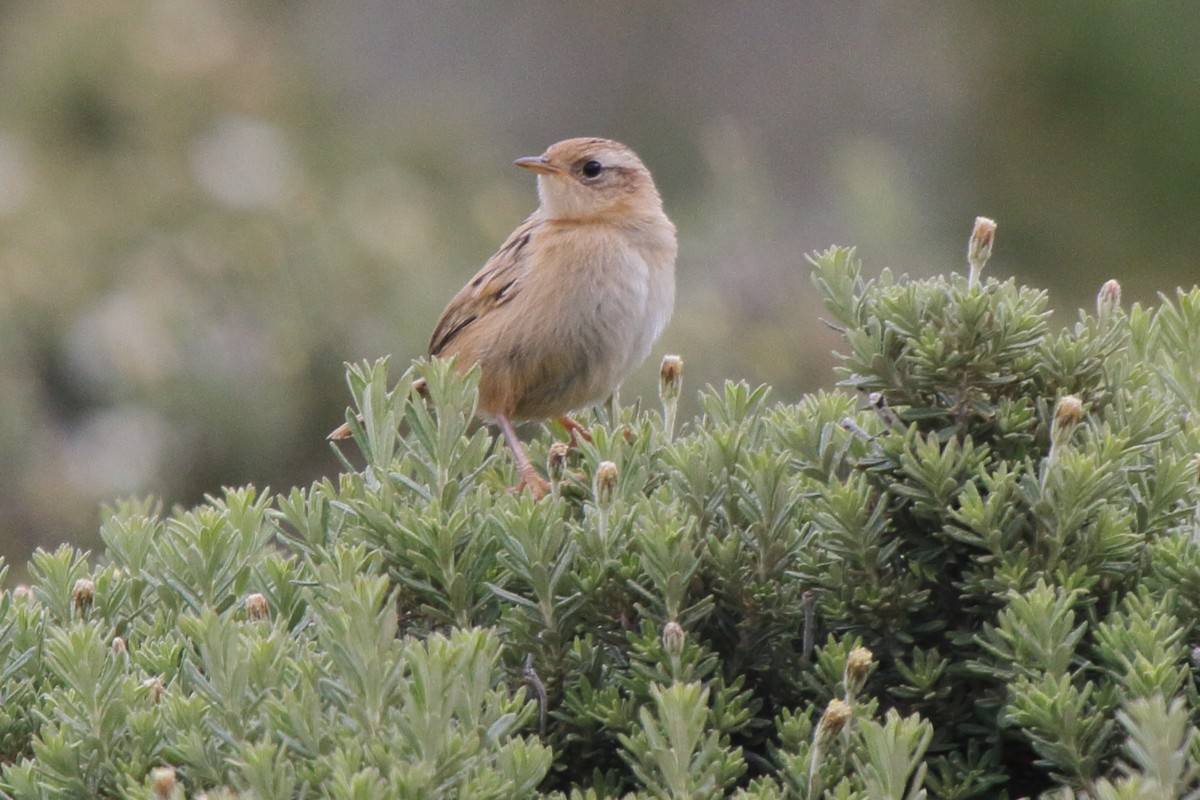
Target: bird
point(573, 300)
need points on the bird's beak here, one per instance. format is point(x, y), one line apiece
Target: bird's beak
point(539, 164)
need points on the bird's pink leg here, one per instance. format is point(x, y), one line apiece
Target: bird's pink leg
point(530, 478)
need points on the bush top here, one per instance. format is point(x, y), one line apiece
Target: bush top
point(970, 571)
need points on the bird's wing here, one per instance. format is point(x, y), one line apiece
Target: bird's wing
point(493, 286)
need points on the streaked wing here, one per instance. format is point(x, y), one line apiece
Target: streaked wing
point(493, 286)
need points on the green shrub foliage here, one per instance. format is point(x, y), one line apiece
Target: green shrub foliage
point(972, 571)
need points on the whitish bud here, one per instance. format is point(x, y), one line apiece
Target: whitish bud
point(23, 593)
point(82, 596)
point(1068, 411)
point(605, 483)
point(836, 715)
point(979, 248)
point(556, 461)
point(118, 646)
point(1108, 299)
point(256, 607)
point(154, 686)
point(1067, 414)
point(670, 378)
point(673, 638)
point(163, 779)
point(858, 667)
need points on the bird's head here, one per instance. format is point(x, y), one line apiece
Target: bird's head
point(593, 179)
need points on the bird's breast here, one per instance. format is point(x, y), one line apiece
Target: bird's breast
point(601, 302)
point(585, 312)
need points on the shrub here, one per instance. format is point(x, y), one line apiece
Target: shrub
point(971, 571)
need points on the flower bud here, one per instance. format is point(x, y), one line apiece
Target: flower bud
point(82, 596)
point(118, 646)
point(670, 378)
point(23, 593)
point(1067, 414)
point(673, 639)
point(1108, 299)
point(670, 381)
point(836, 715)
point(979, 248)
point(163, 779)
point(556, 461)
point(605, 483)
point(1068, 411)
point(858, 667)
point(155, 688)
point(256, 607)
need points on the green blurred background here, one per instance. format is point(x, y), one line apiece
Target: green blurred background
point(207, 206)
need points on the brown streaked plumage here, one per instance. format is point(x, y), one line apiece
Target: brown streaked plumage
point(574, 298)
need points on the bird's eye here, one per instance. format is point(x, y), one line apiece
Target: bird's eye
point(591, 169)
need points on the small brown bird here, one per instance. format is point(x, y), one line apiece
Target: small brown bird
point(574, 298)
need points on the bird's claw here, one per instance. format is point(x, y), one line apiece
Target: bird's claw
point(538, 486)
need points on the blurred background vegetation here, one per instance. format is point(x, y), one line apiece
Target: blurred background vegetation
point(207, 206)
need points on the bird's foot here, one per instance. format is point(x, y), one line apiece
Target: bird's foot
point(538, 486)
point(576, 431)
